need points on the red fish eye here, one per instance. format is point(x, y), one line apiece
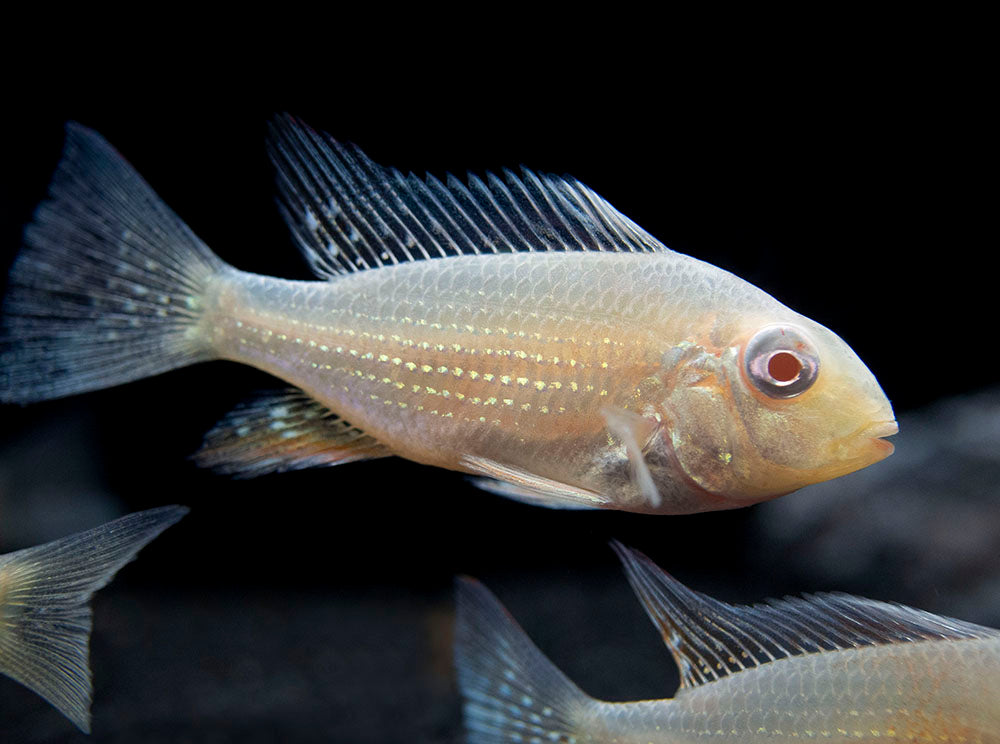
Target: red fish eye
point(784, 366)
point(781, 361)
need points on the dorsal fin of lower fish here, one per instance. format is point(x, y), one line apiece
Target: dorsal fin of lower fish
point(710, 639)
point(283, 430)
point(348, 213)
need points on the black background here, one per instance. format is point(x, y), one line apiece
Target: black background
point(851, 178)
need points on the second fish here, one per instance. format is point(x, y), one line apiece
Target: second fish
point(518, 329)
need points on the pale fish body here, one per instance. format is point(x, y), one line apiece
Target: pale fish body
point(521, 331)
point(45, 617)
point(830, 668)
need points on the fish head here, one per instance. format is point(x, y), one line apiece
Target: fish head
point(775, 407)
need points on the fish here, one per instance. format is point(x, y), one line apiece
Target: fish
point(827, 667)
point(517, 329)
point(45, 615)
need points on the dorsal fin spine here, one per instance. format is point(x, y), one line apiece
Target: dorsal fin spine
point(351, 214)
point(379, 184)
point(547, 240)
point(434, 229)
point(486, 229)
point(452, 193)
point(494, 237)
point(484, 192)
point(369, 220)
point(400, 208)
point(581, 196)
point(513, 184)
point(360, 204)
point(438, 193)
point(560, 218)
point(559, 188)
point(524, 232)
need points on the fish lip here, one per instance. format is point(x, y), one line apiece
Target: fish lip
point(865, 446)
point(880, 429)
point(874, 433)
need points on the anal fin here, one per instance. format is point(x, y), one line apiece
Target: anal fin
point(520, 485)
point(283, 430)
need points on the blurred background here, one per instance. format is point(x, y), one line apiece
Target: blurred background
point(316, 606)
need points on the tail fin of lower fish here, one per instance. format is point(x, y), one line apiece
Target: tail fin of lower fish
point(108, 287)
point(511, 691)
point(45, 616)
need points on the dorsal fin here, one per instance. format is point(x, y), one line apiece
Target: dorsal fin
point(710, 639)
point(348, 213)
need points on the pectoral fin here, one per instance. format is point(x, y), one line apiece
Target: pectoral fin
point(284, 430)
point(634, 431)
point(521, 485)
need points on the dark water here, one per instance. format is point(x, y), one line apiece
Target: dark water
point(316, 606)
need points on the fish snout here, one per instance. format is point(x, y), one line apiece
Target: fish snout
point(868, 445)
point(877, 433)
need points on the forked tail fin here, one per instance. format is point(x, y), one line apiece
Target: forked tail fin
point(511, 691)
point(45, 616)
point(108, 287)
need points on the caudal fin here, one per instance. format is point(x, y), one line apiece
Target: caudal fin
point(511, 691)
point(109, 284)
point(45, 616)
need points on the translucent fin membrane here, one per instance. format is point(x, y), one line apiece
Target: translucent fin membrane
point(710, 639)
point(45, 616)
point(108, 285)
point(348, 213)
point(511, 691)
point(283, 430)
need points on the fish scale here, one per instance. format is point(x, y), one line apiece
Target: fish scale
point(520, 330)
point(865, 695)
point(536, 374)
point(904, 675)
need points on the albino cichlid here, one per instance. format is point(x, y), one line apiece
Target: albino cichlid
point(831, 668)
point(520, 330)
point(45, 617)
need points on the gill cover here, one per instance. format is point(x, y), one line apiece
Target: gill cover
point(789, 406)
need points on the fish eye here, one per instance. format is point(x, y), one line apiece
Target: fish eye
point(781, 361)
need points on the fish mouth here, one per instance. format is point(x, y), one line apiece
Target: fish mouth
point(875, 434)
point(861, 448)
point(871, 444)
point(880, 429)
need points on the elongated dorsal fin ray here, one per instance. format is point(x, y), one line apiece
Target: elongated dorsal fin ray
point(280, 430)
point(710, 639)
point(348, 213)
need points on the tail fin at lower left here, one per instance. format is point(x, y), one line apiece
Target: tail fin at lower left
point(45, 616)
